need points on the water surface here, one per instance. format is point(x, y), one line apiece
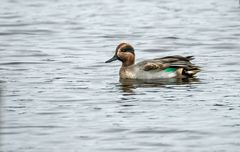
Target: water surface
point(57, 94)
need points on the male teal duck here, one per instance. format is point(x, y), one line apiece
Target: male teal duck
point(158, 68)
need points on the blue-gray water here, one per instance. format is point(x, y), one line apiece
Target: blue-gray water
point(57, 94)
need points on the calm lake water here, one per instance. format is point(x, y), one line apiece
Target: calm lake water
point(57, 94)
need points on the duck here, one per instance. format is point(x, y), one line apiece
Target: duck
point(175, 66)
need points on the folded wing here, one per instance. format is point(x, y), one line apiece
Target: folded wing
point(179, 62)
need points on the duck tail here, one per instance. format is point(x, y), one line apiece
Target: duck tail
point(190, 57)
point(191, 71)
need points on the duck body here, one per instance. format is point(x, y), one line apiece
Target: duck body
point(138, 72)
point(158, 68)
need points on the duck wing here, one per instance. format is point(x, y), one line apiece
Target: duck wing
point(148, 65)
point(176, 57)
point(171, 62)
point(176, 61)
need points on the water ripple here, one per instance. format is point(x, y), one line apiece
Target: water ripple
point(57, 94)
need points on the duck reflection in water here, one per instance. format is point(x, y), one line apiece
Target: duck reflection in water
point(129, 85)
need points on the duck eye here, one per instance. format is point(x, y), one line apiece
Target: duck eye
point(124, 50)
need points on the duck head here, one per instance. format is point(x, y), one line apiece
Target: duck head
point(124, 53)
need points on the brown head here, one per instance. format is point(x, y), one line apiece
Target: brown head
point(125, 53)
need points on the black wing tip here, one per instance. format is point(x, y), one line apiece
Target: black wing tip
point(190, 57)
